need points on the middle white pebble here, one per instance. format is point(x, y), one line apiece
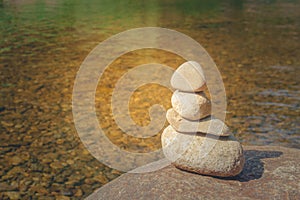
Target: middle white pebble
point(192, 106)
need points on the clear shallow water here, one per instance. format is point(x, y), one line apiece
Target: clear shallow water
point(42, 44)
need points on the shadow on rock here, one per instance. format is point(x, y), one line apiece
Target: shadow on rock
point(254, 167)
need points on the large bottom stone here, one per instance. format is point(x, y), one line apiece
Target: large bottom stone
point(203, 154)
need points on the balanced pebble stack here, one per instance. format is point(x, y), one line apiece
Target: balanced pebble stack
point(196, 141)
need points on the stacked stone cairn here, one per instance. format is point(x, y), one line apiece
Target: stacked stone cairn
point(195, 141)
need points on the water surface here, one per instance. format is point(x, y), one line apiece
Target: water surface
point(255, 45)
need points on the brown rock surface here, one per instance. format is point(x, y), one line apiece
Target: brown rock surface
point(270, 172)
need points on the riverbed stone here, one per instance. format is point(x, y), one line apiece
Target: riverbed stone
point(192, 106)
point(189, 77)
point(203, 154)
point(13, 195)
point(16, 160)
point(209, 125)
point(7, 187)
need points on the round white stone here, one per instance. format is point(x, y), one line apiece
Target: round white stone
point(189, 77)
point(192, 106)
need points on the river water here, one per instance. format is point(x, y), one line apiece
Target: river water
point(255, 45)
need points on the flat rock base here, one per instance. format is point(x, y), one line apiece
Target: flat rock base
point(269, 173)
